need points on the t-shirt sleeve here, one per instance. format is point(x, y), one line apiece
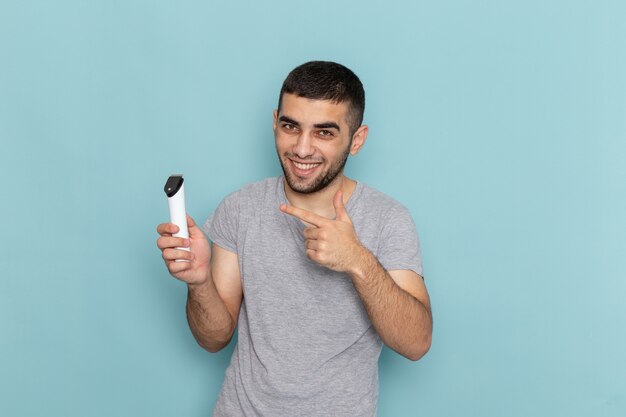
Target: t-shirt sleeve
point(399, 244)
point(222, 225)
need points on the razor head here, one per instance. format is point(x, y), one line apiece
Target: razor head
point(173, 184)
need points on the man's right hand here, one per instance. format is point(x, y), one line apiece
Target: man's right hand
point(194, 272)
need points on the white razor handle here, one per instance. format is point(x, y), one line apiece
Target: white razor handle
point(175, 191)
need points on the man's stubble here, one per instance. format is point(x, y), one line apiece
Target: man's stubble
point(321, 181)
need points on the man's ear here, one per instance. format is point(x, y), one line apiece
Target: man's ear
point(275, 120)
point(358, 139)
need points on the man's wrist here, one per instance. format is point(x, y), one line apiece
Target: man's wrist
point(202, 287)
point(364, 261)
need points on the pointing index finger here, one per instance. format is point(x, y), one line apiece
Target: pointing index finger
point(307, 216)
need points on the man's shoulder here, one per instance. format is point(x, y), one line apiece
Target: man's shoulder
point(377, 200)
point(246, 202)
point(263, 185)
point(254, 191)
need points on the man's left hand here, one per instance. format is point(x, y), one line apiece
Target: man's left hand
point(331, 243)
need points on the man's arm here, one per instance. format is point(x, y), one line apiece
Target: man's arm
point(396, 302)
point(213, 282)
point(213, 306)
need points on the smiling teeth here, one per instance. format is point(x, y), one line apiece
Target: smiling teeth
point(304, 166)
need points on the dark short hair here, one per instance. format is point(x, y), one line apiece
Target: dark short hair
point(324, 80)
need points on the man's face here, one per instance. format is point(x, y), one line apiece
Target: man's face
point(312, 141)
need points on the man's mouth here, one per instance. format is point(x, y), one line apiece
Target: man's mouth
point(304, 169)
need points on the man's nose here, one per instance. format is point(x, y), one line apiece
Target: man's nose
point(304, 146)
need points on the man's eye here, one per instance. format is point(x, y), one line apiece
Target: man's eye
point(325, 133)
point(290, 129)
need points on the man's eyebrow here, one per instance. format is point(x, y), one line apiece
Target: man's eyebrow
point(327, 125)
point(288, 120)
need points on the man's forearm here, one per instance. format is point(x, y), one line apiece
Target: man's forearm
point(209, 320)
point(403, 322)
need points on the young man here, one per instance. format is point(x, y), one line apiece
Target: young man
point(317, 270)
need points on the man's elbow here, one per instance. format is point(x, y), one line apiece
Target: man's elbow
point(213, 344)
point(213, 347)
point(420, 349)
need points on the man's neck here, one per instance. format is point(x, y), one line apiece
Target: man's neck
point(321, 202)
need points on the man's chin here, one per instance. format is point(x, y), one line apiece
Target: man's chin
point(308, 185)
point(302, 186)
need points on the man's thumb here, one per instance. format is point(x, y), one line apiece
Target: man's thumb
point(190, 222)
point(340, 209)
point(193, 228)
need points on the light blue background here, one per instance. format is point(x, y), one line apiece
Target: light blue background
point(500, 125)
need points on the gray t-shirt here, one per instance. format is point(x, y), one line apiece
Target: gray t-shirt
point(306, 346)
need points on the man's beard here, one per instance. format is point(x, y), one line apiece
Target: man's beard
point(318, 183)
